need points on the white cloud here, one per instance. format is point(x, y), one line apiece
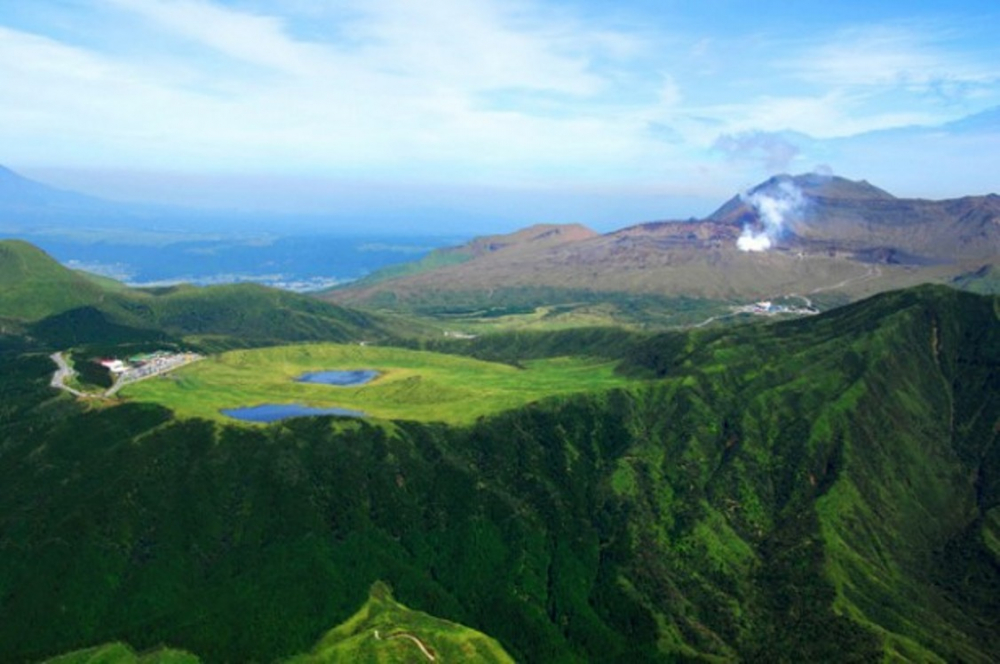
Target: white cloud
point(474, 46)
point(854, 81)
point(670, 92)
point(252, 38)
point(514, 90)
point(890, 56)
point(830, 115)
point(402, 90)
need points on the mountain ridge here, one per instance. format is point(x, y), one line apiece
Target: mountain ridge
point(68, 308)
point(824, 232)
point(382, 631)
point(19, 192)
point(822, 489)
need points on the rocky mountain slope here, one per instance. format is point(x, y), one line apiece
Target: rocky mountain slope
point(790, 235)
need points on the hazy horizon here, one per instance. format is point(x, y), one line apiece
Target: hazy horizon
point(495, 114)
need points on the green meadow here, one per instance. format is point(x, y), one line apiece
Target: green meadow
point(412, 385)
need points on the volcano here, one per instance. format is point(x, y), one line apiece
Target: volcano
point(848, 237)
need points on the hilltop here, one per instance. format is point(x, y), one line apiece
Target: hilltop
point(63, 308)
point(22, 197)
point(826, 238)
point(868, 224)
point(36, 286)
point(383, 631)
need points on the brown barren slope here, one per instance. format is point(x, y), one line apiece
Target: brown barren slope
point(848, 237)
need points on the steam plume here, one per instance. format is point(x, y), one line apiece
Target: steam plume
point(775, 207)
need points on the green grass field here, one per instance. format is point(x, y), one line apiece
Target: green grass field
point(385, 631)
point(412, 385)
point(120, 653)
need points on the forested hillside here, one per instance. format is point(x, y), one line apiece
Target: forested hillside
point(826, 489)
point(60, 307)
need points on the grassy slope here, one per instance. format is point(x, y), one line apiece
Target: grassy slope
point(821, 490)
point(397, 628)
point(36, 286)
point(383, 631)
point(432, 261)
point(985, 280)
point(64, 308)
point(593, 272)
point(412, 385)
point(884, 415)
point(119, 653)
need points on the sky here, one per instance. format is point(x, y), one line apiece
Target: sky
point(502, 111)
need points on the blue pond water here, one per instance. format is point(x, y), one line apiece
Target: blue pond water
point(272, 412)
point(339, 378)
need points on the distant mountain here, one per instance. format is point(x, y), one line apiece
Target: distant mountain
point(28, 205)
point(823, 234)
point(18, 193)
point(31, 209)
point(67, 308)
point(839, 215)
point(532, 241)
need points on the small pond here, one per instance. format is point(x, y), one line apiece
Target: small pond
point(339, 378)
point(272, 412)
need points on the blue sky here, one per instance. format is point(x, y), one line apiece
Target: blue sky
point(524, 110)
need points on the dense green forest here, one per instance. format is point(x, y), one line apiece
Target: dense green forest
point(383, 631)
point(63, 308)
point(826, 489)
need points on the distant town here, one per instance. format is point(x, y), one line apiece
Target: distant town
point(768, 308)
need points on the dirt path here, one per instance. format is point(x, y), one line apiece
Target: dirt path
point(809, 303)
point(705, 322)
point(406, 635)
point(873, 272)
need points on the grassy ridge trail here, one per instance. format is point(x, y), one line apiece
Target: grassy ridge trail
point(383, 631)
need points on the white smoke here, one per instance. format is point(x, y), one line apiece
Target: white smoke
point(775, 207)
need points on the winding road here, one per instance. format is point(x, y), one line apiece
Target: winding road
point(64, 372)
point(872, 272)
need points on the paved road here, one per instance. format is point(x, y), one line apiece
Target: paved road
point(63, 373)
